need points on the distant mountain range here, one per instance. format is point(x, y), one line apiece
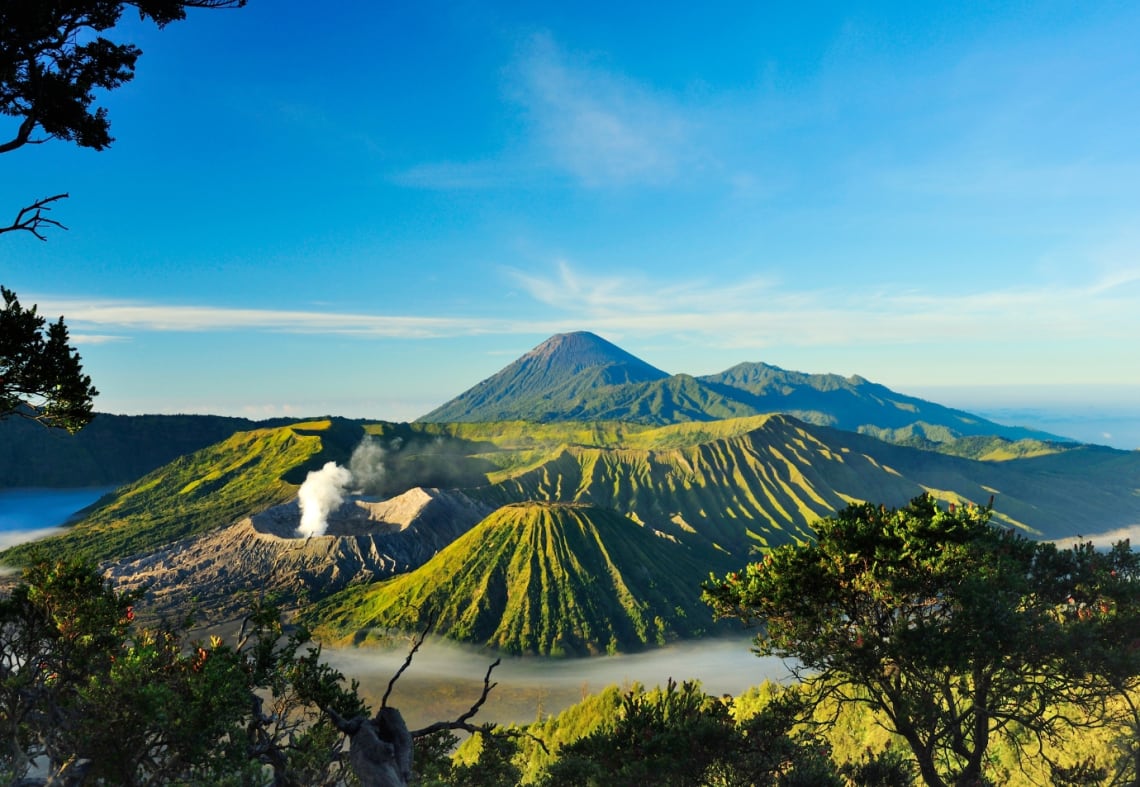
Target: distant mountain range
point(582, 377)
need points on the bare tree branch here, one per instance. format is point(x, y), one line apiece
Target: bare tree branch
point(419, 640)
point(32, 219)
point(462, 722)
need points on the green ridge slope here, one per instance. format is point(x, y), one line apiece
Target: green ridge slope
point(761, 481)
point(538, 578)
point(210, 488)
point(760, 484)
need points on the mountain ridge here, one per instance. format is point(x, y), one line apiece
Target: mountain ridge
point(582, 377)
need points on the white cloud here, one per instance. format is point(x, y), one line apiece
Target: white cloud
point(135, 315)
point(760, 312)
point(601, 127)
point(1076, 329)
point(88, 339)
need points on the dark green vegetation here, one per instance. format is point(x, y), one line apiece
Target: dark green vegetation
point(100, 700)
point(1028, 651)
point(954, 633)
point(41, 377)
point(554, 579)
point(581, 377)
point(111, 449)
point(679, 735)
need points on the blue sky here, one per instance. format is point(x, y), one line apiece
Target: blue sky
point(366, 208)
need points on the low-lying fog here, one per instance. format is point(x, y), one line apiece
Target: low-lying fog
point(28, 514)
point(445, 679)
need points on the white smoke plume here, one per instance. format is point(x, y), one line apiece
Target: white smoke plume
point(322, 492)
point(367, 465)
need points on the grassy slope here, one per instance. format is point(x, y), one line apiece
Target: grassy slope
point(732, 484)
point(539, 578)
point(198, 492)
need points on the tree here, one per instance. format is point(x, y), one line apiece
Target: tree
point(93, 697)
point(954, 631)
point(41, 376)
point(53, 58)
point(682, 737)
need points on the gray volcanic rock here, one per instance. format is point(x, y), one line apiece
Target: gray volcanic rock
point(221, 573)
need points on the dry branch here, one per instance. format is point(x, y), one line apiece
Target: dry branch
point(32, 219)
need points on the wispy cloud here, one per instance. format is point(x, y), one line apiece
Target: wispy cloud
point(761, 312)
point(1090, 319)
point(143, 316)
point(88, 339)
point(598, 125)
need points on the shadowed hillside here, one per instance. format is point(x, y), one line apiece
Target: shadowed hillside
point(112, 449)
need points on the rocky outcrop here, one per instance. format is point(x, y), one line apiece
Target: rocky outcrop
point(216, 576)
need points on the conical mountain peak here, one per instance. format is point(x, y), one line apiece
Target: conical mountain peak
point(571, 353)
point(564, 368)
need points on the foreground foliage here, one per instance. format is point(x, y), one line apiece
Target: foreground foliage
point(85, 694)
point(89, 697)
point(955, 633)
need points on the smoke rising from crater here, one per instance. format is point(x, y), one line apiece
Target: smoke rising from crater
point(381, 469)
point(367, 465)
point(322, 492)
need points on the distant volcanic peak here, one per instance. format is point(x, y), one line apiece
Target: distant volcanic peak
point(570, 353)
point(547, 382)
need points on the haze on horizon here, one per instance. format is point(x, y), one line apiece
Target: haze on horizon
point(364, 210)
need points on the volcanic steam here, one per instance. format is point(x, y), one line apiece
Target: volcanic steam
point(324, 489)
point(322, 492)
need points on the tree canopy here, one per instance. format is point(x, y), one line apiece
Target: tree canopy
point(41, 376)
point(955, 631)
point(55, 56)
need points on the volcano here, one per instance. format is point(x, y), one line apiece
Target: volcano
point(366, 540)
